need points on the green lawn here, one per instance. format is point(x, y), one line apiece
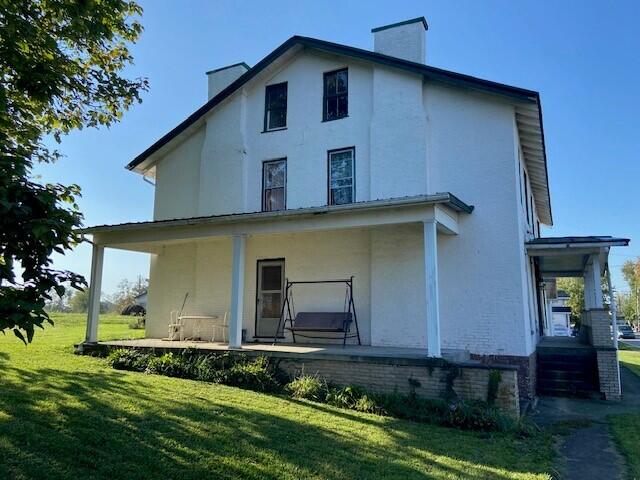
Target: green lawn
point(626, 428)
point(630, 357)
point(67, 416)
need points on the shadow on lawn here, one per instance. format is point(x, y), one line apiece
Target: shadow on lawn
point(60, 424)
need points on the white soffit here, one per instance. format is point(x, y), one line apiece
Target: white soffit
point(532, 143)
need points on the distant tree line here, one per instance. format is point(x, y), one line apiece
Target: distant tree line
point(78, 301)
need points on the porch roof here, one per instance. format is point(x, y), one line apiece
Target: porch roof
point(440, 207)
point(569, 256)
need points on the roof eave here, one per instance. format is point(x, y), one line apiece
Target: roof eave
point(432, 73)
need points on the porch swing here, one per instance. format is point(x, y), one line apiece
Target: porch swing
point(304, 323)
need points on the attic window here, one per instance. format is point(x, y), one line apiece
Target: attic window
point(275, 107)
point(336, 97)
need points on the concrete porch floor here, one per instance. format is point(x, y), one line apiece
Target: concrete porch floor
point(308, 350)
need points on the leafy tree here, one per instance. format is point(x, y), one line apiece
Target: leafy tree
point(631, 273)
point(79, 302)
point(59, 303)
point(60, 70)
point(128, 291)
point(574, 287)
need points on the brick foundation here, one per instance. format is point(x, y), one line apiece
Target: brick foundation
point(400, 376)
point(608, 374)
point(596, 329)
point(526, 367)
point(381, 374)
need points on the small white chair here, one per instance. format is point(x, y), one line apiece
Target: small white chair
point(176, 326)
point(220, 328)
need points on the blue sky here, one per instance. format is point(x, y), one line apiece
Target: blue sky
point(582, 56)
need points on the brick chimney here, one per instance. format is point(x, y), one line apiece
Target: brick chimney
point(221, 78)
point(406, 40)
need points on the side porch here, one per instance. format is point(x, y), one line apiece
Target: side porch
point(586, 364)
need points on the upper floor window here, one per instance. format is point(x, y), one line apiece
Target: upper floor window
point(275, 106)
point(341, 176)
point(336, 102)
point(274, 185)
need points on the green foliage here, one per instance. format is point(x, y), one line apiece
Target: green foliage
point(170, 365)
point(475, 415)
point(60, 67)
point(495, 377)
point(254, 375)
point(308, 387)
point(79, 302)
point(575, 289)
point(127, 292)
point(628, 303)
point(626, 433)
point(129, 359)
point(234, 370)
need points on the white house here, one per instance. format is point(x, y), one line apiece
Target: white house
point(325, 161)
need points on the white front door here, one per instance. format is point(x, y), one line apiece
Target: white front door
point(269, 297)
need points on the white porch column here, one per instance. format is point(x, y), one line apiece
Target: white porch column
point(588, 287)
point(431, 290)
point(237, 291)
point(95, 285)
point(596, 281)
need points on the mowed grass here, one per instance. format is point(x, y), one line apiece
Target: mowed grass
point(67, 416)
point(629, 357)
point(626, 428)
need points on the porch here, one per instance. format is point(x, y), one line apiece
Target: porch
point(586, 364)
point(307, 351)
point(216, 263)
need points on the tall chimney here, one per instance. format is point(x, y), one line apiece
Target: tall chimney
point(221, 78)
point(404, 40)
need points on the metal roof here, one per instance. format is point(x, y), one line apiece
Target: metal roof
point(528, 109)
point(568, 256)
point(446, 199)
point(577, 242)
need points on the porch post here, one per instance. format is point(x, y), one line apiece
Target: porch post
point(431, 290)
point(596, 281)
point(588, 287)
point(95, 284)
point(237, 291)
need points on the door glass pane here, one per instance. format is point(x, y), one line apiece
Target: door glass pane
point(270, 305)
point(271, 277)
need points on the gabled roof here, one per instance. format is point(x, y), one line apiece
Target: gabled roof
point(528, 110)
